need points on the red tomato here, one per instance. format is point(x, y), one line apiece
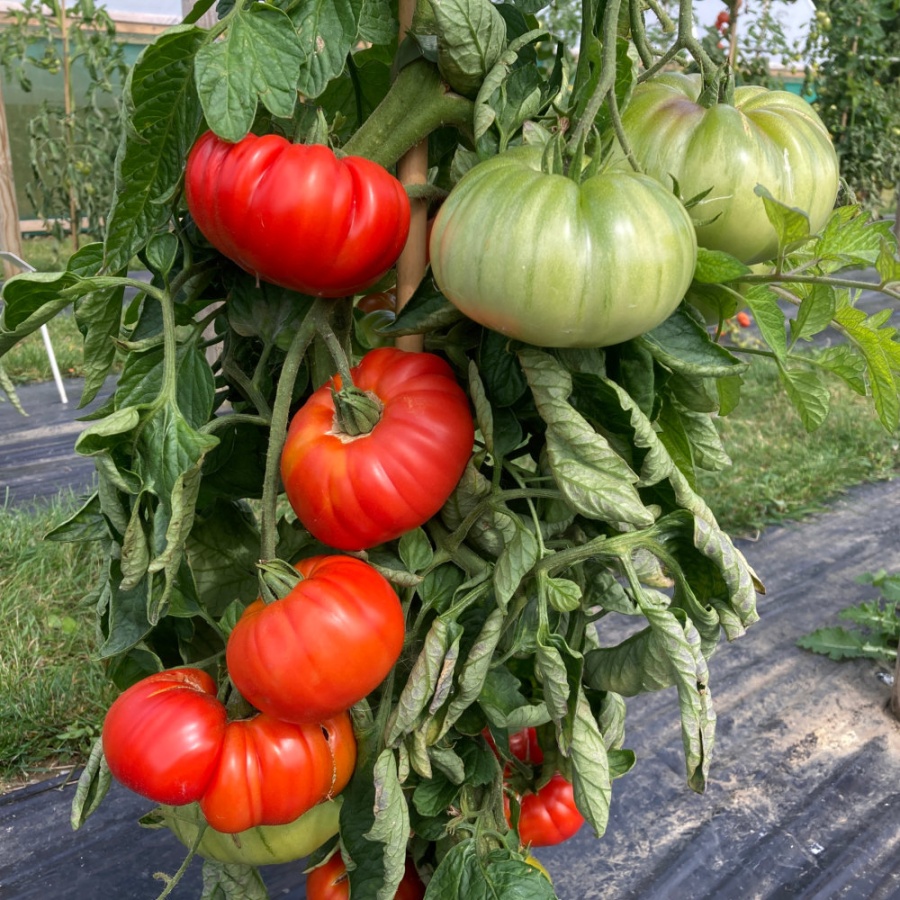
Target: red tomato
point(322, 648)
point(744, 320)
point(355, 492)
point(271, 772)
point(295, 215)
point(162, 737)
point(524, 745)
point(329, 882)
point(380, 300)
point(549, 816)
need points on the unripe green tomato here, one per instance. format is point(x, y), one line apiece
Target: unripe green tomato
point(261, 846)
point(770, 138)
point(546, 260)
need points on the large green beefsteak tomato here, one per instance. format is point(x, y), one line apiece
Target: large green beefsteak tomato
point(769, 138)
point(552, 262)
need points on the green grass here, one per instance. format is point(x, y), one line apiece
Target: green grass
point(28, 361)
point(53, 693)
point(781, 472)
point(47, 254)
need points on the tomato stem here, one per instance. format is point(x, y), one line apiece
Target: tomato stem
point(278, 428)
point(417, 103)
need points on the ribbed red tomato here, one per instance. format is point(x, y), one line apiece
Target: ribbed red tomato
point(353, 492)
point(326, 645)
point(295, 214)
point(329, 882)
point(271, 772)
point(162, 736)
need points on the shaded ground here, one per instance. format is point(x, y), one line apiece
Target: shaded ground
point(804, 796)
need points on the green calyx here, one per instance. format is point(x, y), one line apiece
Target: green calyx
point(277, 579)
point(356, 412)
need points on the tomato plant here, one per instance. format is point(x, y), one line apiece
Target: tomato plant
point(296, 215)
point(773, 139)
point(162, 738)
point(541, 258)
point(437, 537)
point(329, 882)
point(354, 486)
point(271, 772)
point(327, 644)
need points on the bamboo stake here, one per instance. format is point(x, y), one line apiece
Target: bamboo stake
point(412, 169)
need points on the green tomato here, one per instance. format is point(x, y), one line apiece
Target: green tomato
point(546, 260)
point(260, 846)
point(769, 138)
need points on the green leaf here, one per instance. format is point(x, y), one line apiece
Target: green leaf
point(433, 797)
point(887, 264)
point(427, 310)
point(501, 873)
point(259, 309)
point(85, 524)
point(807, 394)
point(817, 309)
point(377, 22)
point(390, 826)
point(415, 550)
point(594, 479)
point(326, 33)
point(499, 369)
point(790, 224)
point(590, 766)
point(769, 318)
point(515, 562)
point(441, 644)
point(563, 594)
point(93, 785)
point(99, 318)
point(841, 643)
point(505, 705)
point(30, 300)
point(258, 59)
point(684, 346)
point(717, 267)
point(231, 881)
point(164, 117)
point(471, 37)
point(551, 670)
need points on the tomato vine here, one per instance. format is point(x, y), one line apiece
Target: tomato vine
point(560, 500)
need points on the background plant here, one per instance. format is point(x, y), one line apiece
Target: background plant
point(73, 143)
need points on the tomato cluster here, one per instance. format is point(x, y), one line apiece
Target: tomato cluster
point(548, 814)
point(168, 739)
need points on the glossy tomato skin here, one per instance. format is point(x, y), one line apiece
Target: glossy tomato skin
point(322, 648)
point(162, 737)
point(771, 138)
point(259, 846)
point(355, 493)
point(549, 816)
point(540, 258)
point(329, 882)
point(294, 214)
point(271, 772)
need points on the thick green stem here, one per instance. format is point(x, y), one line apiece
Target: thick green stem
point(417, 103)
point(278, 429)
point(607, 73)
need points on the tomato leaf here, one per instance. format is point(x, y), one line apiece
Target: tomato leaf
point(595, 480)
point(258, 59)
point(846, 362)
point(326, 32)
point(93, 785)
point(415, 550)
point(501, 873)
point(165, 115)
point(716, 267)
point(504, 704)
point(85, 524)
point(471, 36)
point(769, 318)
point(807, 393)
point(516, 559)
point(590, 766)
point(683, 345)
point(817, 309)
point(390, 826)
point(229, 881)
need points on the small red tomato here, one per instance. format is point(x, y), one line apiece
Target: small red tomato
point(326, 645)
point(744, 320)
point(330, 882)
point(162, 737)
point(271, 772)
point(380, 300)
point(549, 816)
point(354, 491)
point(524, 745)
